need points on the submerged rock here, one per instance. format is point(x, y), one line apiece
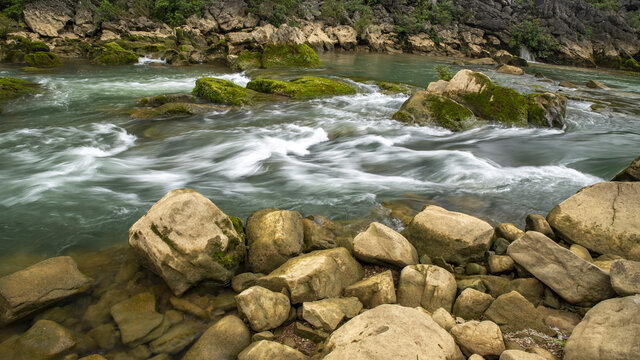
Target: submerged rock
point(185, 238)
point(12, 87)
point(302, 87)
point(112, 54)
point(160, 100)
point(137, 318)
point(174, 108)
point(43, 341)
point(224, 340)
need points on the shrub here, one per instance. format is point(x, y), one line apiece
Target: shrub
point(444, 72)
point(276, 12)
point(175, 13)
point(530, 34)
point(13, 8)
point(442, 13)
point(607, 5)
point(633, 18)
point(333, 12)
point(108, 11)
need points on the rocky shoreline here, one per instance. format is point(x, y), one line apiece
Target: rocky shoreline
point(195, 283)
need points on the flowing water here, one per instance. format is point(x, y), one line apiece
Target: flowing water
point(76, 170)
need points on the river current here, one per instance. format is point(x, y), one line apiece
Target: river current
point(77, 171)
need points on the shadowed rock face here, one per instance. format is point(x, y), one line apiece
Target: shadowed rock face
point(631, 173)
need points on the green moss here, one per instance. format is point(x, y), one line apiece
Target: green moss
point(449, 113)
point(226, 260)
point(289, 55)
point(302, 87)
point(220, 91)
point(12, 87)
point(238, 226)
point(536, 114)
point(37, 46)
point(247, 60)
point(154, 47)
point(112, 54)
point(163, 237)
point(498, 103)
point(403, 116)
point(42, 59)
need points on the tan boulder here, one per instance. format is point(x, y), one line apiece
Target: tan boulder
point(471, 304)
point(512, 312)
point(327, 314)
point(428, 286)
point(482, 338)
point(373, 291)
point(625, 277)
point(379, 244)
point(511, 70)
point(287, 35)
point(346, 36)
point(47, 18)
point(224, 340)
point(45, 340)
point(264, 308)
point(264, 349)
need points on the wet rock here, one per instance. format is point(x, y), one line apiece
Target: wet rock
point(106, 336)
point(471, 304)
point(428, 109)
point(483, 61)
point(610, 330)
point(574, 279)
point(314, 276)
point(379, 244)
point(100, 312)
point(316, 235)
point(625, 277)
point(567, 84)
point(112, 54)
point(38, 286)
point(136, 317)
point(457, 237)
point(270, 350)
point(535, 222)
point(595, 84)
point(482, 338)
point(512, 312)
point(500, 264)
point(176, 339)
point(373, 291)
point(301, 55)
point(174, 109)
point(428, 286)
point(264, 309)
point(188, 307)
point(631, 173)
point(444, 319)
point(224, 340)
point(44, 340)
point(391, 329)
point(185, 238)
point(327, 314)
point(581, 252)
point(519, 355)
point(273, 237)
point(508, 231)
point(547, 110)
point(225, 301)
point(160, 100)
point(511, 70)
point(242, 282)
point(223, 92)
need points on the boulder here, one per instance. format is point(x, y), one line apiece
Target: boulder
point(270, 350)
point(535, 222)
point(429, 286)
point(391, 329)
point(12, 87)
point(519, 355)
point(482, 338)
point(273, 237)
point(563, 320)
point(264, 308)
point(602, 218)
point(595, 84)
point(38, 286)
point(176, 339)
point(373, 291)
point(567, 84)
point(174, 109)
point(625, 277)
point(223, 92)
point(379, 244)
point(188, 307)
point(43, 341)
point(275, 55)
point(302, 87)
point(631, 173)
point(47, 18)
point(319, 40)
point(314, 276)
point(574, 279)
point(327, 314)
point(160, 100)
point(425, 108)
point(105, 336)
point(185, 238)
point(233, 15)
point(457, 237)
point(508, 231)
point(512, 312)
point(262, 34)
point(483, 61)
point(224, 340)
point(100, 312)
point(111, 54)
point(137, 318)
point(471, 304)
point(500, 264)
point(610, 330)
point(443, 318)
point(319, 233)
point(511, 70)
point(242, 282)
point(547, 110)
point(581, 252)
point(346, 36)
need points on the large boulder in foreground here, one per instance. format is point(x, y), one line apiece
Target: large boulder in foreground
point(302, 87)
point(379, 244)
point(456, 237)
point(39, 286)
point(610, 330)
point(185, 238)
point(631, 173)
point(224, 340)
point(314, 276)
point(391, 330)
point(429, 286)
point(574, 279)
point(603, 218)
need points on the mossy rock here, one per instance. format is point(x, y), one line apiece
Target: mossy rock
point(42, 59)
point(300, 55)
point(112, 54)
point(37, 46)
point(391, 88)
point(12, 87)
point(173, 109)
point(247, 60)
point(302, 87)
point(224, 92)
point(159, 100)
point(424, 108)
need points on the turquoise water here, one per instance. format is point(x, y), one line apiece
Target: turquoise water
point(76, 170)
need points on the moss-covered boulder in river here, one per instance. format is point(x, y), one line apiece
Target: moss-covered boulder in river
point(425, 108)
point(225, 92)
point(174, 109)
point(42, 59)
point(302, 87)
point(301, 55)
point(112, 54)
point(247, 60)
point(12, 87)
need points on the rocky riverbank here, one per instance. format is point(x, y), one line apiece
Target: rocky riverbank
point(196, 283)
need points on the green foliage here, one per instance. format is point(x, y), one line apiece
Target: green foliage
point(607, 5)
point(175, 13)
point(13, 8)
point(333, 12)
point(530, 34)
point(442, 13)
point(444, 72)
point(276, 12)
point(220, 91)
point(109, 12)
point(7, 25)
point(302, 87)
point(289, 55)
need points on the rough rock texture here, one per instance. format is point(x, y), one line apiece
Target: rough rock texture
point(287, 35)
point(242, 282)
point(185, 238)
point(511, 70)
point(222, 341)
point(519, 355)
point(574, 279)
point(264, 308)
point(47, 18)
point(391, 329)
point(443, 318)
point(315, 276)
point(631, 173)
point(482, 338)
point(374, 291)
point(456, 237)
point(535, 222)
point(508, 231)
point(379, 244)
point(273, 237)
point(625, 277)
point(429, 286)
point(137, 318)
point(471, 304)
point(500, 264)
point(38, 286)
point(427, 109)
point(264, 349)
point(610, 330)
point(328, 313)
point(602, 218)
point(44, 340)
point(512, 312)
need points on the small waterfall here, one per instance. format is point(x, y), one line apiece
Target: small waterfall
point(525, 54)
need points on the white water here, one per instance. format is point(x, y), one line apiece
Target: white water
point(525, 54)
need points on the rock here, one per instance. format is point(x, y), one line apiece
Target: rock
point(185, 238)
point(307, 332)
point(346, 36)
point(424, 108)
point(264, 335)
point(273, 237)
point(444, 319)
point(421, 43)
point(482, 338)
point(314, 276)
point(374, 291)
point(105, 336)
point(38, 286)
point(428, 286)
point(535, 222)
point(475, 269)
point(97, 357)
point(239, 38)
point(136, 317)
point(319, 40)
point(631, 173)
point(391, 329)
point(457, 237)
point(270, 350)
point(12, 87)
point(519, 355)
point(471, 304)
point(44, 340)
point(224, 340)
point(174, 109)
point(242, 282)
point(47, 18)
point(379, 244)
point(301, 88)
point(301, 55)
point(287, 35)
point(264, 308)
point(225, 301)
point(574, 279)
point(112, 54)
point(508, 231)
point(160, 100)
point(316, 235)
point(512, 312)
point(595, 84)
point(262, 34)
point(223, 92)
point(42, 59)
point(625, 277)
point(567, 84)
point(511, 70)
point(564, 321)
point(581, 252)
point(610, 330)
point(233, 15)
point(176, 339)
point(499, 246)
point(100, 312)
point(329, 313)
point(500, 264)
point(483, 61)
point(547, 110)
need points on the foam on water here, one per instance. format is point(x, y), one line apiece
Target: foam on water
point(146, 60)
